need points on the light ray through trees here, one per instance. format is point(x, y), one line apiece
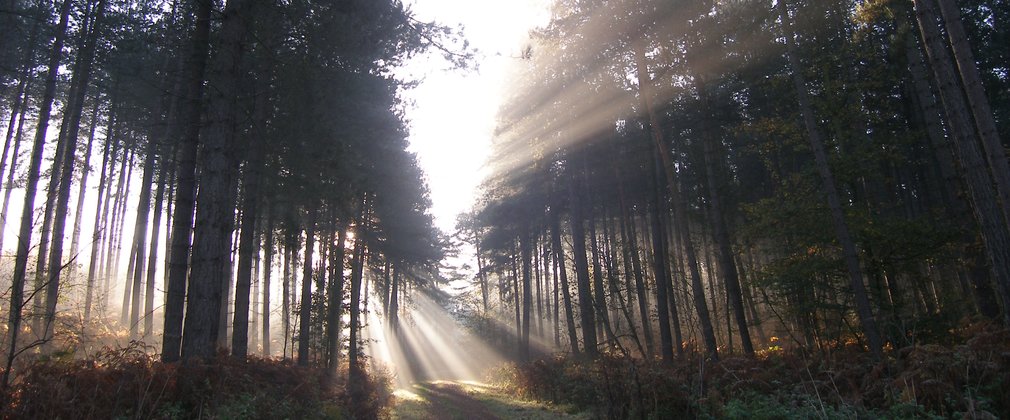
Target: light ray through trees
point(427, 345)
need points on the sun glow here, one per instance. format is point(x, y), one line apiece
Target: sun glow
point(453, 114)
point(427, 344)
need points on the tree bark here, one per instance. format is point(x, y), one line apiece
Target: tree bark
point(600, 291)
point(152, 258)
point(354, 368)
point(268, 259)
point(254, 318)
point(286, 289)
point(586, 312)
point(215, 212)
point(527, 295)
point(481, 274)
point(247, 247)
point(394, 302)
point(642, 298)
point(182, 213)
point(305, 311)
point(140, 241)
point(227, 271)
point(660, 271)
point(559, 256)
point(335, 300)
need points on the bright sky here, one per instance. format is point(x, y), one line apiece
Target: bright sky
point(454, 113)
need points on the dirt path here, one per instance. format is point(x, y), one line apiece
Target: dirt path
point(468, 400)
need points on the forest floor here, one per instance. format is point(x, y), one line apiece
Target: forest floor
point(471, 400)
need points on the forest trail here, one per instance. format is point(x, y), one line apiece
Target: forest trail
point(468, 400)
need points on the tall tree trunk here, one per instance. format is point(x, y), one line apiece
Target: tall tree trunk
point(867, 320)
point(75, 238)
point(215, 212)
point(28, 210)
point(9, 184)
point(140, 240)
point(128, 283)
point(586, 312)
point(295, 238)
point(958, 208)
point(527, 295)
point(16, 125)
point(254, 318)
point(19, 110)
point(305, 311)
point(108, 154)
point(247, 247)
point(394, 302)
point(481, 274)
point(975, 93)
point(268, 259)
point(516, 300)
point(557, 299)
point(676, 277)
point(684, 232)
point(286, 290)
point(724, 251)
point(182, 213)
point(600, 292)
point(152, 258)
point(58, 194)
point(659, 250)
point(169, 209)
point(227, 268)
point(335, 300)
point(537, 257)
point(559, 256)
point(115, 242)
point(991, 217)
point(636, 266)
point(354, 368)
point(52, 191)
point(108, 209)
point(660, 271)
point(166, 167)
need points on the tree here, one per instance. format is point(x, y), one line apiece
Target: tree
point(28, 210)
point(866, 317)
point(185, 195)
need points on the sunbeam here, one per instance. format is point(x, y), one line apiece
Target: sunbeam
point(427, 344)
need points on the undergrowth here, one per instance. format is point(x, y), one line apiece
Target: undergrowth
point(969, 380)
point(131, 383)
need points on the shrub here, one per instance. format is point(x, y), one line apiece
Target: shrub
point(130, 383)
point(968, 380)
